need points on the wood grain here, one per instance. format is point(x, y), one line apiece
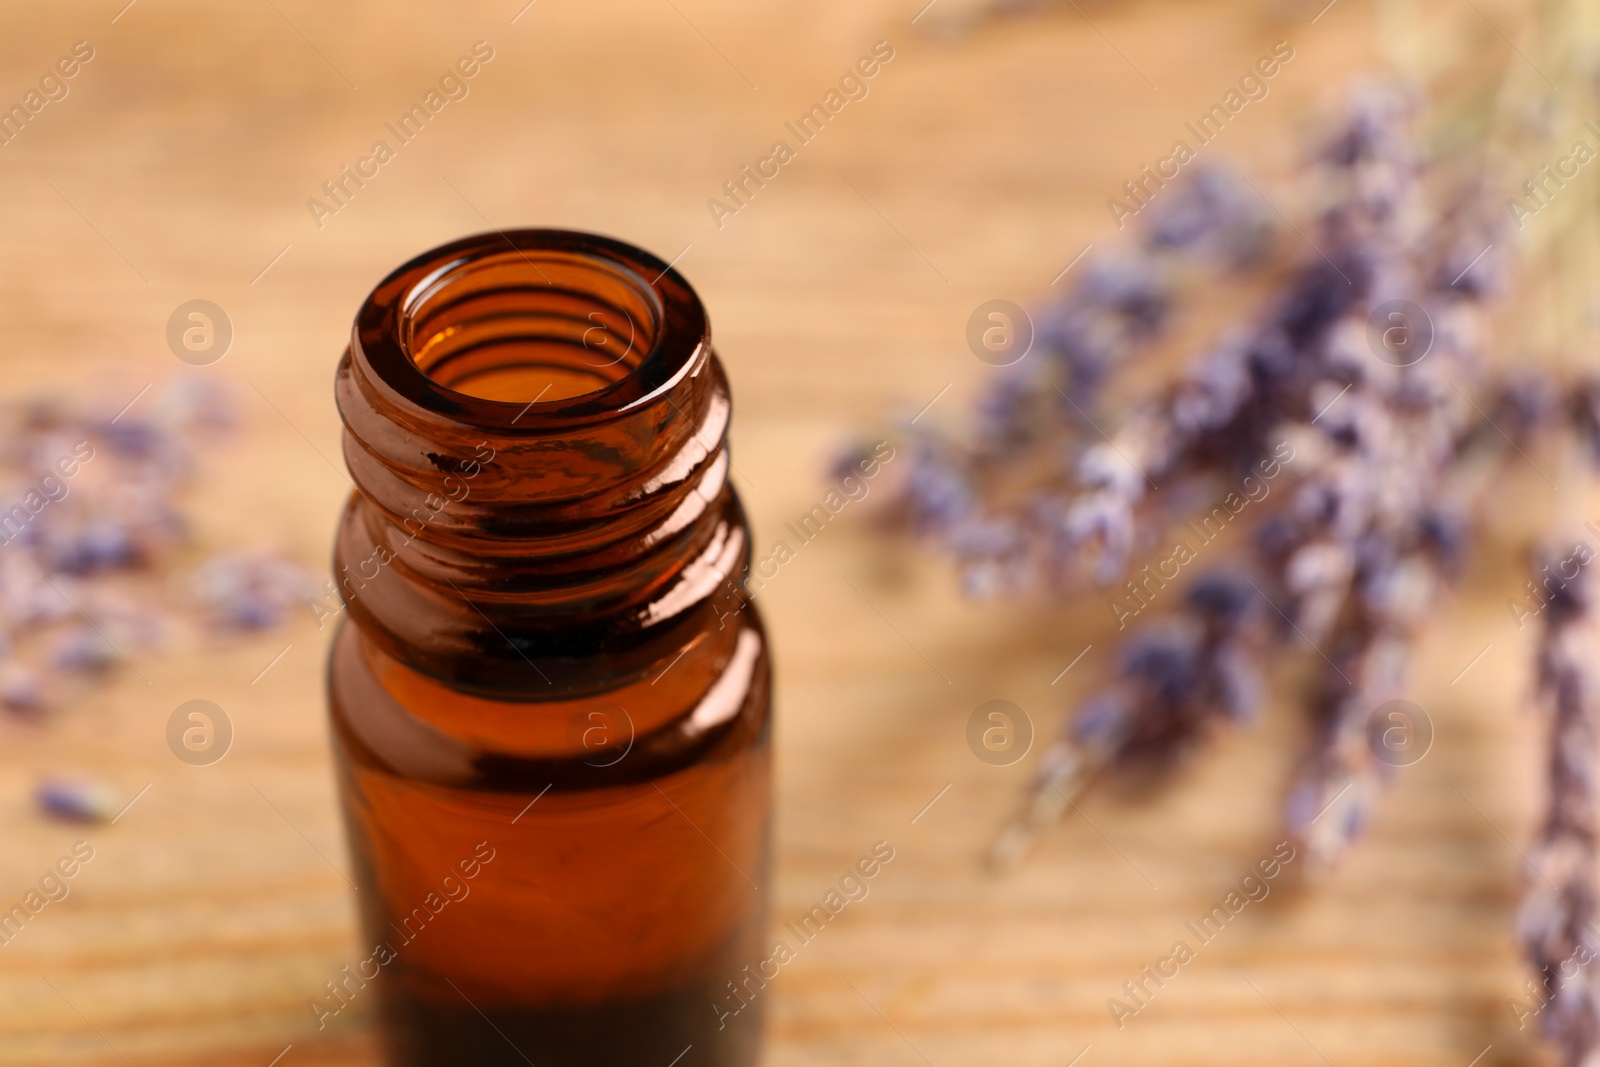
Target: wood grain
point(179, 167)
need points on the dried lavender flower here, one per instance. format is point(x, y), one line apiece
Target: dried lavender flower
point(83, 650)
point(1357, 553)
point(21, 689)
point(91, 521)
point(997, 503)
point(1176, 679)
point(250, 590)
point(1557, 920)
point(76, 800)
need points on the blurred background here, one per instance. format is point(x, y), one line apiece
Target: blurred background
point(176, 165)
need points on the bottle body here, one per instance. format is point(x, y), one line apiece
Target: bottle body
point(552, 735)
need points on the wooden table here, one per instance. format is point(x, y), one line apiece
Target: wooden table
point(179, 167)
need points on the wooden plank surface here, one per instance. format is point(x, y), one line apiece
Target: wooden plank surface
point(179, 167)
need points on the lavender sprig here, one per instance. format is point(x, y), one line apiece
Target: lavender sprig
point(1177, 679)
point(1557, 920)
point(997, 503)
point(1257, 390)
point(1400, 560)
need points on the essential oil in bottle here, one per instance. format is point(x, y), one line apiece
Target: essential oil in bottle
point(549, 693)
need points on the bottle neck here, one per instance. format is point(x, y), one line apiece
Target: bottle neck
point(537, 435)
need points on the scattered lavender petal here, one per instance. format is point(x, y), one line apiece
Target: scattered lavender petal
point(76, 800)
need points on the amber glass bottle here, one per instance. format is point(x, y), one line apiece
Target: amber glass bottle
point(551, 728)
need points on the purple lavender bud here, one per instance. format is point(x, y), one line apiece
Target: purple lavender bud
point(100, 545)
point(130, 437)
point(1132, 286)
point(1318, 504)
point(20, 688)
point(1003, 411)
point(1585, 410)
point(1101, 519)
point(82, 650)
point(1319, 295)
point(1273, 358)
point(1183, 219)
point(993, 554)
point(937, 494)
point(1374, 127)
point(1103, 722)
point(249, 590)
point(1523, 404)
point(1374, 552)
point(1224, 598)
point(1475, 266)
point(1278, 536)
point(1570, 599)
point(1304, 804)
point(1238, 685)
point(1213, 393)
point(1356, 817)
point(75, 800)
point(247, 609)
point(1164, 659)
point(848, 461)
point(1211, 213)
point(1447, 536)
point(1103, 466)
point(1571, 1021)
point(1085, 346)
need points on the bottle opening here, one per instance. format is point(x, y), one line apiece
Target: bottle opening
point(530, 326)
point(528, 332)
